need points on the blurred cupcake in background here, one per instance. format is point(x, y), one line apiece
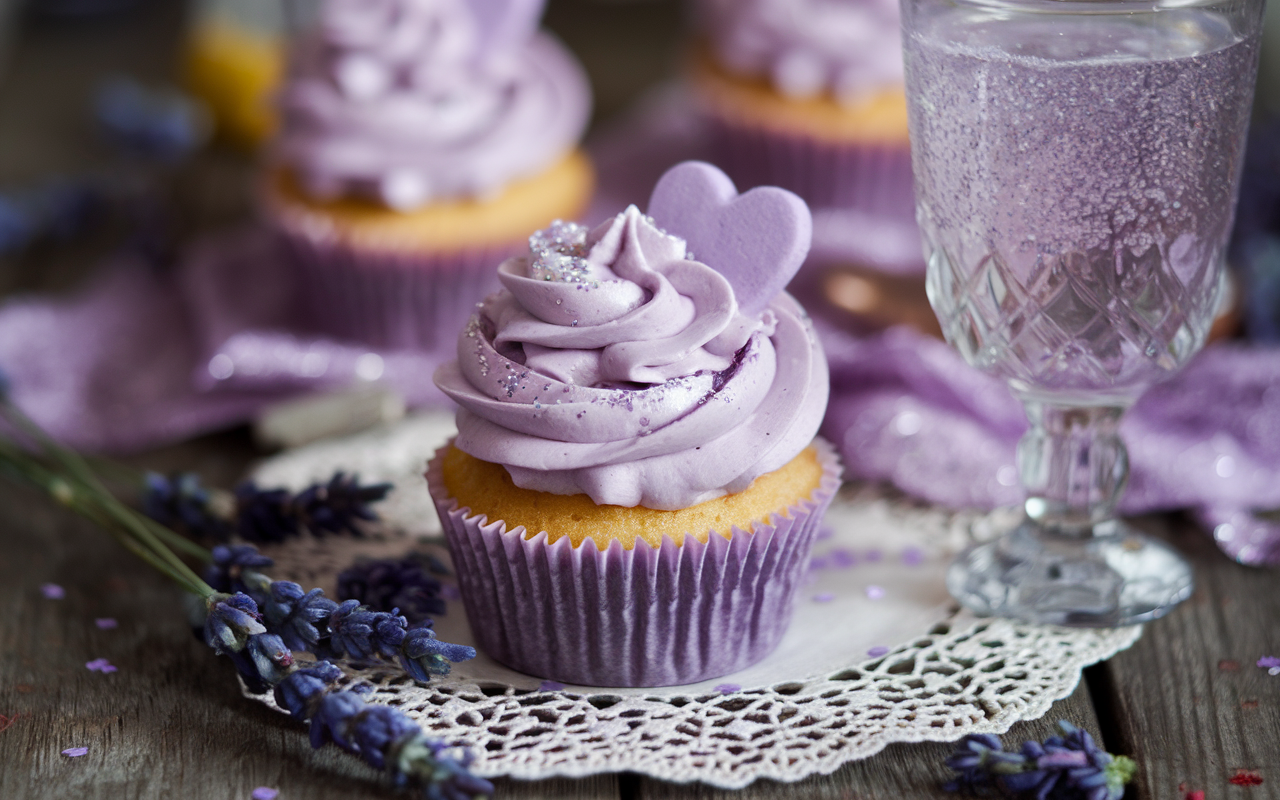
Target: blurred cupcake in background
point(808, 95)
point(420, 141)
point(232, 61)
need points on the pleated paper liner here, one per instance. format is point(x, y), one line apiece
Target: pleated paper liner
point(871, 178)
point(647, 616)
point(392, 299)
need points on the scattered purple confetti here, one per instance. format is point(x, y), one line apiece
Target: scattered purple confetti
point(362, 688)
point(825, 597)
point(873, 556)
point(912, 556)
point(550, 686)
point(875, 592)
point(106, 623)
point(824, 533)
point(100, 665)
point(75, 752)
point(817, 563)
point(264, 793)
point(843, 558)
point(728, 688)
point(450, 592)
point(53, 591)
point(1271, 664)
point(877, 651)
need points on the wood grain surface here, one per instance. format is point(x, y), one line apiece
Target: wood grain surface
point(1187, 701)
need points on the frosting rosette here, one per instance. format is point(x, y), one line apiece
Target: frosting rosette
point(407, 102)
point(616, 364)
point(807, 47)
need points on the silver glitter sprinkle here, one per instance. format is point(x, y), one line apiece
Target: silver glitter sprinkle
point(558, 253)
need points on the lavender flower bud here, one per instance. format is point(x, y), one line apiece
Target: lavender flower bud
point(395, 584)
point(443, 777)
point(231, 621)
point(359, 632)
point(271, 658)
point(1067, 767)
point(423, 655)
point(182, 503)
point(229, 563)
point(336, 506)
point(330, 722)
point(297, 690)
point(264, 516)
point(293, 614)
point(376, 728)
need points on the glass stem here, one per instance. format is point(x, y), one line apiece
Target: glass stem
point(1073, 465)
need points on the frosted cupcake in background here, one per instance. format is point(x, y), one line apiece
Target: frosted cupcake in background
point(232, 61)
point(420, 141)
point(635, 484)
point(808, 95)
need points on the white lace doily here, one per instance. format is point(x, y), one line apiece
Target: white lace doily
point(876, 653)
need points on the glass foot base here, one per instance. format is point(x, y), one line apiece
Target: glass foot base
point(1120, 578)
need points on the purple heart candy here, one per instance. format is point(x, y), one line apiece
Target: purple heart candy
point(757, 240)
point(503, 24)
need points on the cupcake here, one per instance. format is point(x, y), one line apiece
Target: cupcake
point(233, 56)
point(808, 95)
point(420, 141)
point(635, 484)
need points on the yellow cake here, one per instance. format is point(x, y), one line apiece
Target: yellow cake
point(487, 489)
point(561, 192)
point(880, 117)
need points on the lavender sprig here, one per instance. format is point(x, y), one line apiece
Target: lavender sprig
point(273, 515)
point(402, 584)
point(226, 573)
point(1067, 767)
point(234, 626)
point(384, 737)
point(183, 503)
point(295, 614)
point(307, 620)
point(336, 506)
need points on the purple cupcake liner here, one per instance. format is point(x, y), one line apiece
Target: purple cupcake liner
point(385, 298)
point(873, 179)
point(649, 616)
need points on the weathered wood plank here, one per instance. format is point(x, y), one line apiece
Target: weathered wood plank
point(1188, 700)
point(899, 771)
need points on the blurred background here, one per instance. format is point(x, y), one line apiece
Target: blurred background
point(226, 56)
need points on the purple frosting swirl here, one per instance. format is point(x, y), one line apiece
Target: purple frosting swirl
point(807, 47)
point(407, 102)
point(615, 365)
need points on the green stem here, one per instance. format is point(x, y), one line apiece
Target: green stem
point(76, 465)
point(98, 505)
point(178, 541)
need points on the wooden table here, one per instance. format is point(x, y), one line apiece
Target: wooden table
point(1186, 701)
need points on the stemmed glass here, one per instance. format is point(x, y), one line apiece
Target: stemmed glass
point(1076, 165)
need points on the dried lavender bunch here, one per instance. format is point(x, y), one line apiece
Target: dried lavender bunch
point(391, 584)
point(336, 506)
point(234, 626)
point(307, 620)
point(384, 737)
point(183, 503)
point(1067, 767)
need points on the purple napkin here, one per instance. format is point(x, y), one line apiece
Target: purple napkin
point(135, 359)
point(906, 409)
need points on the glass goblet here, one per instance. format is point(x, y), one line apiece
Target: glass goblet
point(1076, 165)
